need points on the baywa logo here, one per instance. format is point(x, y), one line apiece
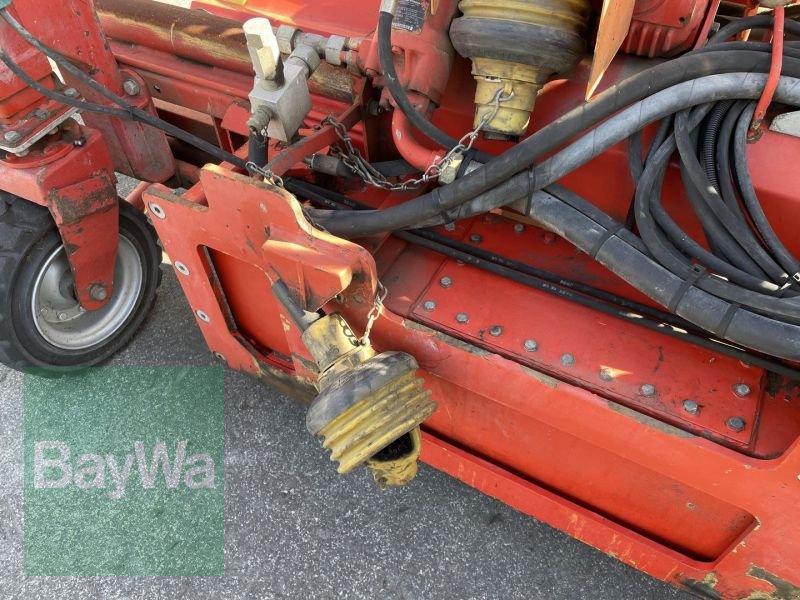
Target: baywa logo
point(90, 469)
point(124, 472)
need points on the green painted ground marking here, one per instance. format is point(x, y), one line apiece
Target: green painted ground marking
point(124, 472)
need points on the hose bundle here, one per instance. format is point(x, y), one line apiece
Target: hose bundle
point(742, 284)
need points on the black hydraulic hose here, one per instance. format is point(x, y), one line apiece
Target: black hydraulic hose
point(655, 320)
point(555, 134)
point(726, 320)
point(722, 243)
point(127, 110)
point(757, 22)
point(741, 235)
point(257, 149)
point(710, 137)
point(750, 200)
point(386, 58)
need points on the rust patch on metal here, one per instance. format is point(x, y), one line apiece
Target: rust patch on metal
point(447, 339)
point(650, 421)
point(783, 589)
point(299, 390)
point(703, 589)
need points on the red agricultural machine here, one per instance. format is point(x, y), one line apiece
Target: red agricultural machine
point(546, 246)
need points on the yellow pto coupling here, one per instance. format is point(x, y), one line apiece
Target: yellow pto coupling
point(515, 47)
point(370, 407)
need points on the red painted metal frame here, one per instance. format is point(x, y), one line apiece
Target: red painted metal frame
point(73, 176)
point(680, 496)
point(677, 495)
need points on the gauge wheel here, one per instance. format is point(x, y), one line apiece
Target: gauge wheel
point(42, 324)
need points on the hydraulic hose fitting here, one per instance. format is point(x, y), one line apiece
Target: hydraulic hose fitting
point(516, 46)
point(369, 407)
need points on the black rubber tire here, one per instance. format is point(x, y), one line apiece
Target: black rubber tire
point(28, 235)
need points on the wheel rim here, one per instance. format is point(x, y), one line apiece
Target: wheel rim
point(59, 317)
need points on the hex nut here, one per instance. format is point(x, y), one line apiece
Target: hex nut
point(285, 36)
point(333, 49)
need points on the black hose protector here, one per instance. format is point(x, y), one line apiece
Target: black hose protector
point(724, 319)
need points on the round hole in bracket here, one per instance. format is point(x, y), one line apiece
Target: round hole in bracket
point(181, 268)
point(157, 211)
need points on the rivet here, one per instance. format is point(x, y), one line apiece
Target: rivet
point(445, 282)
point(450, 226)
point(462, 318)
point(476, 238)
point(496, 330)
point(181, 268)
point(531, 345)
point(691, 407)
point(203, 316)
point(736, 424)
point(742, 390)
point(567, 360)
point(606, 374)
point(519, 228)
point(157, 210)
point(429, 305)
point(40, 113)
point(12, 136)
point(647, 390)
point(62, 316)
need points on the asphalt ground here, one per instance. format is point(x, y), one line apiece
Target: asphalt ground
point(294, 528)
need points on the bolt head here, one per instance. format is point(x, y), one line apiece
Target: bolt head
point(79, 142)
point(519, 228)
point(606, 374)
point(691, 407)
point(531, 345)
point(742, 390)
point(62, 316)
point(496, 330)
point(12, 136)
point(736, 424)
point(131, 87)
point(567, 360)
point(445, 282)
point(462, 318)
point(476, 238)
point(647, 390)
point(40, 113)
point(450, 226)
point(98, 292)
point(429, 305)
point(71, 93)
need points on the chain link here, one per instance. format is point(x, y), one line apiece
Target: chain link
point(352, 157)
point(268, 175)
point(374, 312)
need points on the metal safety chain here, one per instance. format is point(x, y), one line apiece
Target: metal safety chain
point(268, 175)
point(361, 167)
point(375, 311)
